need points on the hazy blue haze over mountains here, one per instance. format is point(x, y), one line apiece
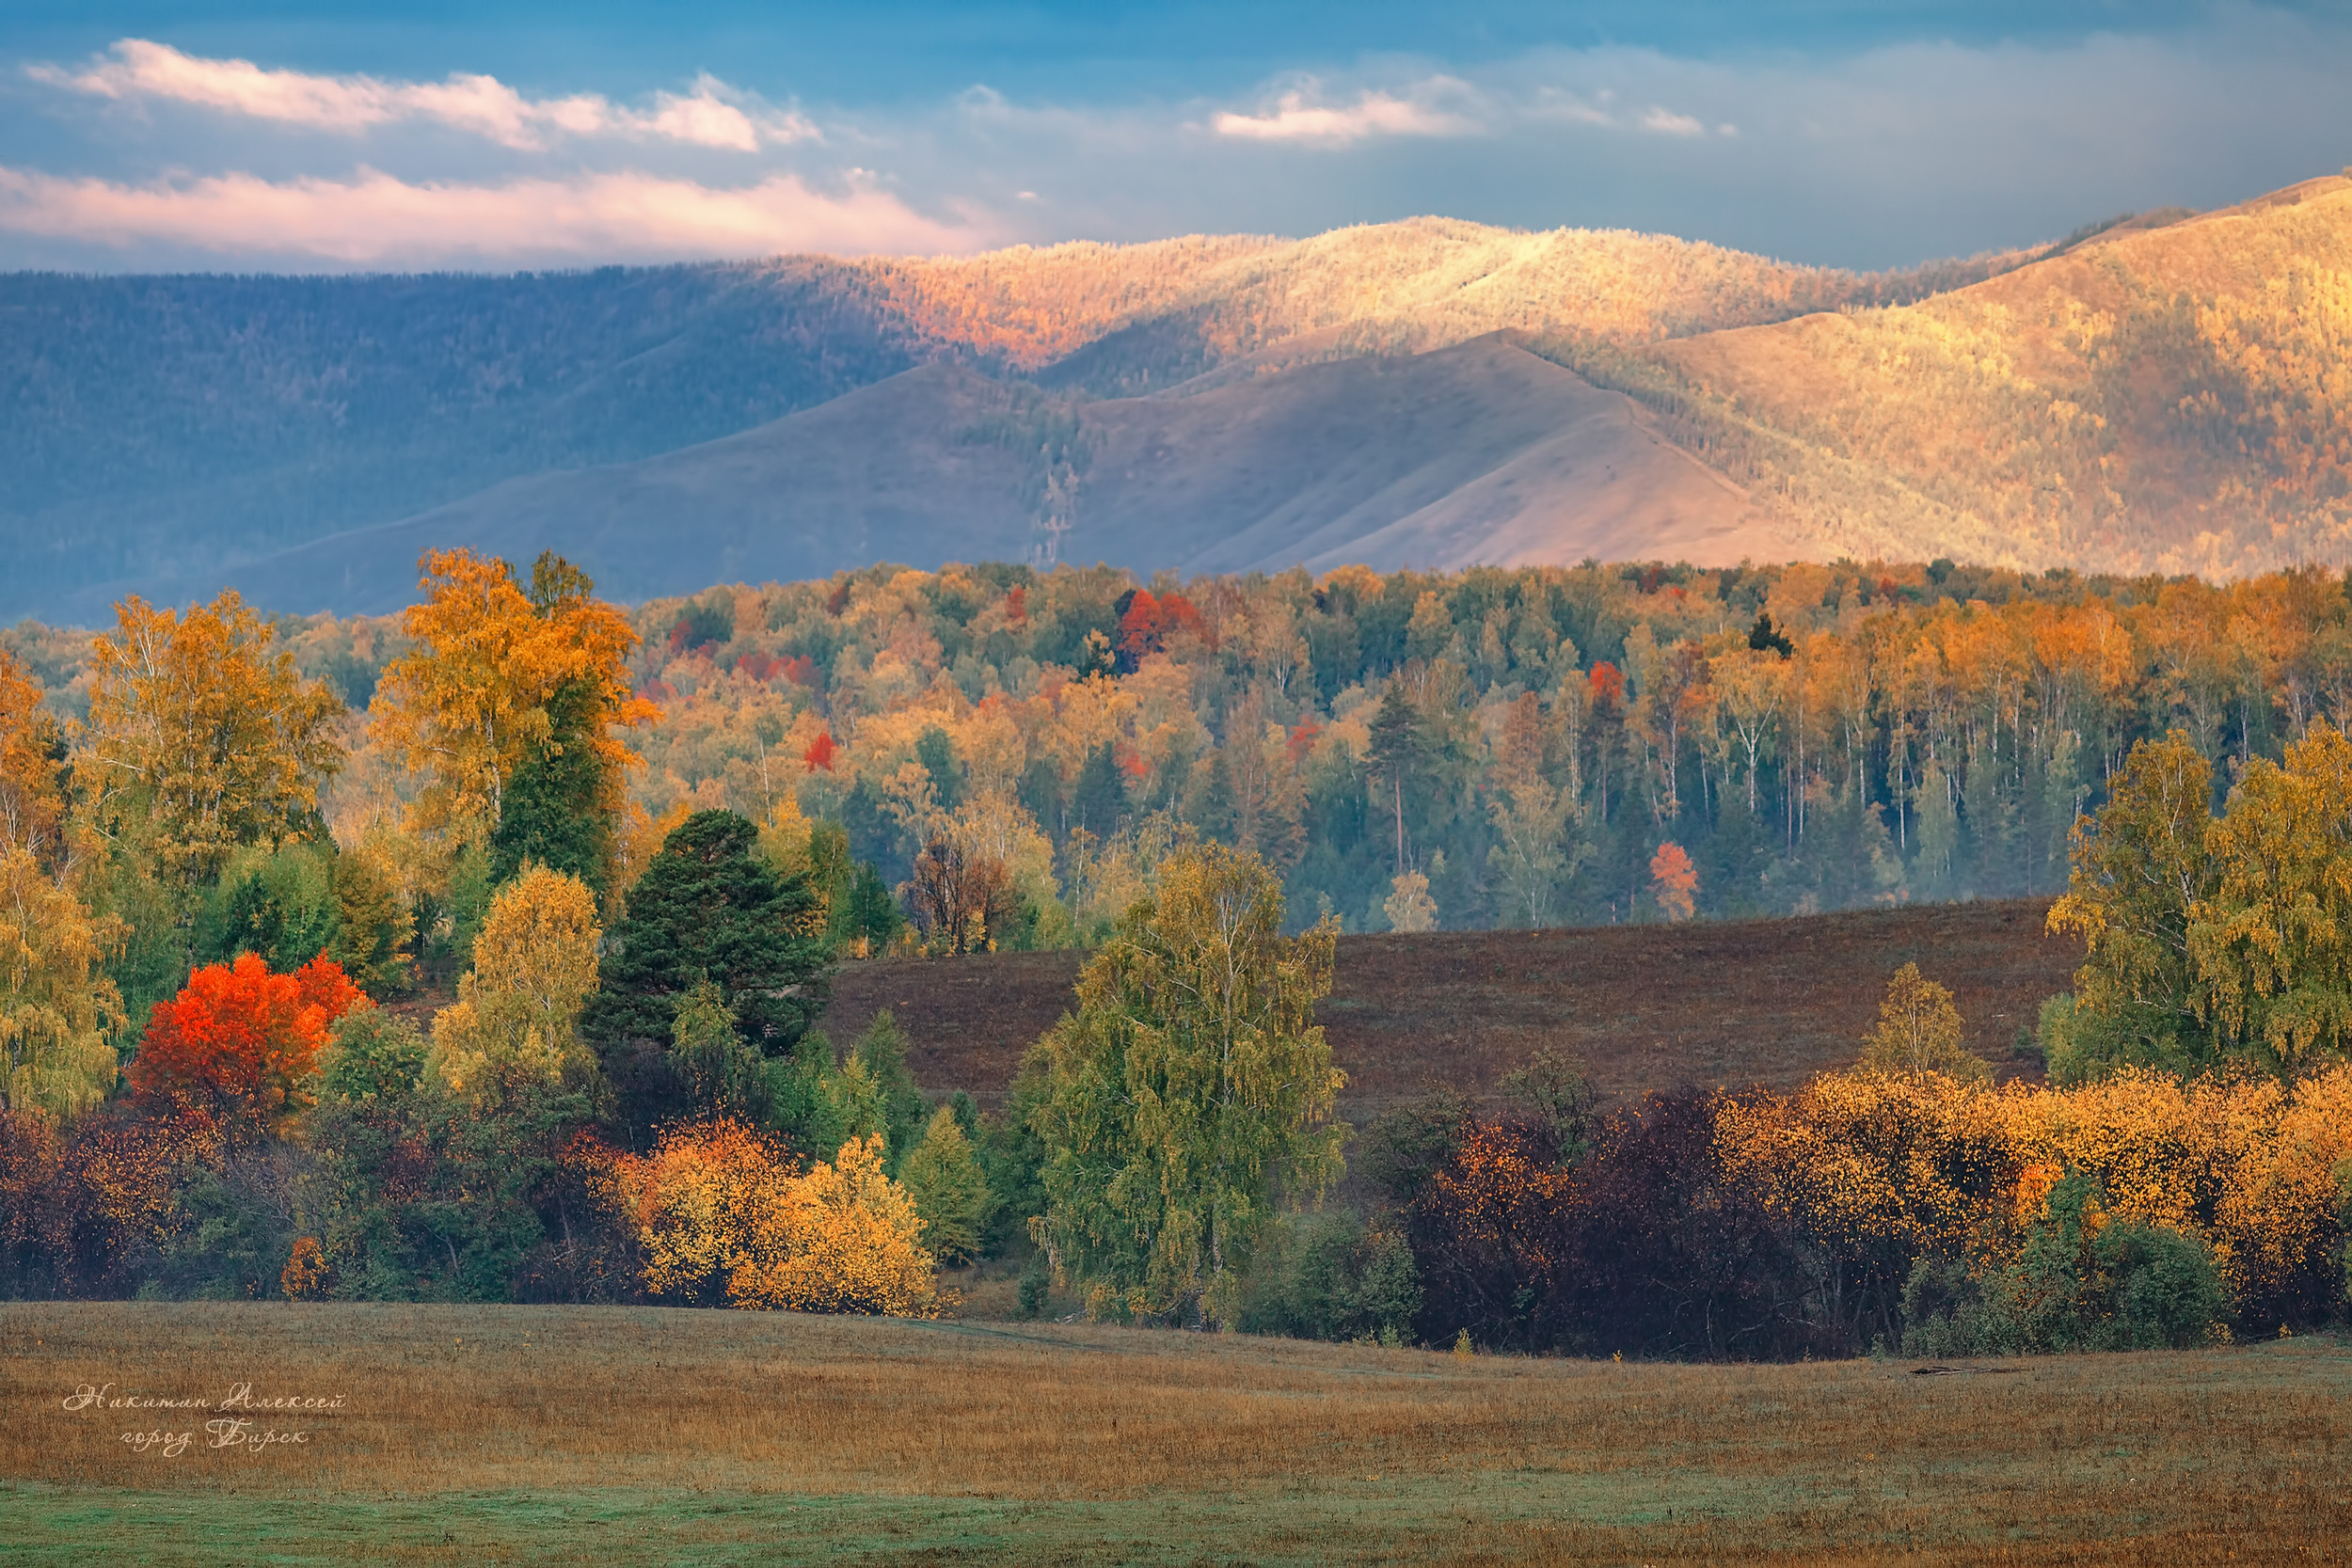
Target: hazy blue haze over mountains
point(165, 434)
point(156, 423)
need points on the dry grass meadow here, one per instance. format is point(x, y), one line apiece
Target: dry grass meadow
point(520, 1435)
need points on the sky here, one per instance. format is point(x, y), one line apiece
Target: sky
point(503, 135)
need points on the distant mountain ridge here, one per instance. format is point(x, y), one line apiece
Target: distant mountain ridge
point(2167, 394)
point(1478, 453)
point(154, 426)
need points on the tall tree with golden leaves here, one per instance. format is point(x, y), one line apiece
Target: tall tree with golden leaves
point(32, 754)
point(517, 1016)
point(2272, 940)
point(56, 1007)
point(202, 738)
point(469, 704)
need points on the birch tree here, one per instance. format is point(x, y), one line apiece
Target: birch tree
point(1188, 1091)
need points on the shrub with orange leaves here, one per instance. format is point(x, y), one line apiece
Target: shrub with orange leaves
point(83, 1206)
point(720, 1211)
point(305, 1275)
point(239, 1041)
point(1881, 1170)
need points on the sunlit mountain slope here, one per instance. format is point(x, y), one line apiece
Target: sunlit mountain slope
point(2173, 397)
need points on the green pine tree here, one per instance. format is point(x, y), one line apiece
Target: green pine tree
point(943, 1175)
point(881, 1051)
point(707, 907)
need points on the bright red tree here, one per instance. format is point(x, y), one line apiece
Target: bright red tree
point(238, 1040)
point(1150, 623)
point(1607, 682)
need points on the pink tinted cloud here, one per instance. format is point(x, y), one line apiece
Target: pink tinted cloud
point(375, 220)
point(136, 69)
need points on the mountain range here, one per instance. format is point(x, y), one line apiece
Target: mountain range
point(2164, 394)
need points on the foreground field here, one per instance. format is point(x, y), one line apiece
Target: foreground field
point(514, 1435)
point(1768, 1002)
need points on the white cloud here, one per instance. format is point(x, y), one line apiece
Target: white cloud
point(1294, 118)
point(1551, 102)
point(1870, 159)
point(1443, 106)
point(138, 69)
point(373, 219)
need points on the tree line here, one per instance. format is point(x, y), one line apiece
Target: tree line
point(447, 1002)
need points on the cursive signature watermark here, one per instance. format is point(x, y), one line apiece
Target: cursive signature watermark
point(232, 1423)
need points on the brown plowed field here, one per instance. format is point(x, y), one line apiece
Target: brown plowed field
point(1733, 1003)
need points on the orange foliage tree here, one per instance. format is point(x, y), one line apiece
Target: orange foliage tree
point(467, 704)
point(719, 1209)
point(238, 1041)
point(1674, 881)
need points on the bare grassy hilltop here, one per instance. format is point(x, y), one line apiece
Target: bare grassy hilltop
point(1732, 1003)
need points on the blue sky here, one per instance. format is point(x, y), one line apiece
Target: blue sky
point(274, 134)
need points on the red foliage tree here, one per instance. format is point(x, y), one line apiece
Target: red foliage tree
point(1608, 684)
point(1150, 623)
point(238, 1041)
point(819, 752)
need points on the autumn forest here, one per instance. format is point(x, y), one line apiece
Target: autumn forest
point(476, 953)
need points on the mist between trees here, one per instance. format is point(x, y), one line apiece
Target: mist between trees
point(614, 855)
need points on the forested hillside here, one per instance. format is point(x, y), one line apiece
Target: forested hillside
point(155, 425)
point(1478, 453)
point(147, 424)
point(2172, 397)
point(2167, 394)
point(1492, 748)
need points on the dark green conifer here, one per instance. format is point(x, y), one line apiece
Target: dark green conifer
point(707, 906)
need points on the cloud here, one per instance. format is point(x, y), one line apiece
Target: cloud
point(374, 219)
point(1294, 117)
point(1877, 157)
point(1443, 106)
point(1557, 104)
point(138, 69)
point(1665, 122)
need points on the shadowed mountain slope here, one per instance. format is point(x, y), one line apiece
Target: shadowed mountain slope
point(157, 427)
point(1480, 452)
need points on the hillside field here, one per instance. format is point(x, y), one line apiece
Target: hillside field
point(1731, 1002)
point(522, 1436)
